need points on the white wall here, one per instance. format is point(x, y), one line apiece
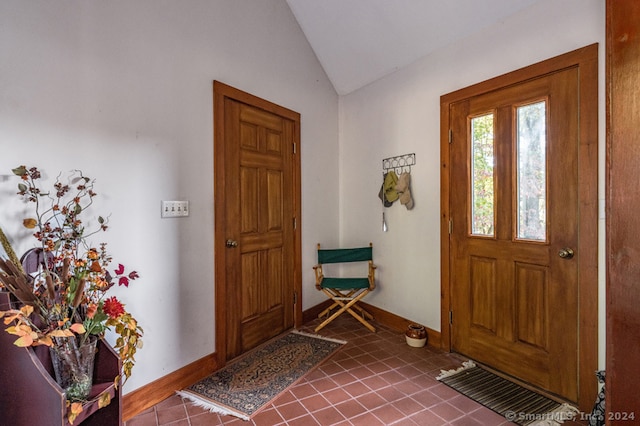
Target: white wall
point(123, 90)
point(400, 114)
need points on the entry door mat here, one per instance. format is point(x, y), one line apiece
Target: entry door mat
point(516, 403)
point(247, 384)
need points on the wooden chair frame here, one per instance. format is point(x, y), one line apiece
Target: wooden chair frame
point(344, 298)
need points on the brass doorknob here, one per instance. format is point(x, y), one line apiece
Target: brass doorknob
point(566, 253)
point(231, 243)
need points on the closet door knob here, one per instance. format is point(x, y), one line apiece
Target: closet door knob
point(231, 243)
point(566, 253)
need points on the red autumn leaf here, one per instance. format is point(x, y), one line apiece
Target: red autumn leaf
point(133, 275)
point(120, 269)
point(123, 281)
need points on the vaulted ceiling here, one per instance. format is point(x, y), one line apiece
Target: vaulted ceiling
point(360, 41)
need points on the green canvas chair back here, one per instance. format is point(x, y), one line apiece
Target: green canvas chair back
point(361, 254)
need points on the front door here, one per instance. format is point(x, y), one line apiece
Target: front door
point(255, 230)
point(514, 226)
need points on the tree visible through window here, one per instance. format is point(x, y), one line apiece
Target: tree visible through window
point(482, 176)
point(532, 190)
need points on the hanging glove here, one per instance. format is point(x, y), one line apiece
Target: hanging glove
point(389, 193)
point(404, 191)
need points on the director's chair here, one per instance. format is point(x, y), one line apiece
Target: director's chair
point(345, 292)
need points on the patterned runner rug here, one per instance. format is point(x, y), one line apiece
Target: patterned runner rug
point(517, 404)
point(247, 384)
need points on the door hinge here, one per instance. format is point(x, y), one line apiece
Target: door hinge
point(450, 135)
point(295, 297)
point(295, 147)
point(450, 317)
point(450, 226)
point(295, 223)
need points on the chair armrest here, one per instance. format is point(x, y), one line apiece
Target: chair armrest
point(319, 276)
point(372, 275)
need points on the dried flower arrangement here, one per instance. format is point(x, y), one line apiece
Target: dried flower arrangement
point(62, 284)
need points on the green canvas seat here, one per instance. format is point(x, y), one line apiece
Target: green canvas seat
point(345, 292)
point(345, 283)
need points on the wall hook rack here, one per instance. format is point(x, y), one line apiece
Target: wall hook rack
point(399, 164)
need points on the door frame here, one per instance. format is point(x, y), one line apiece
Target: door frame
point(586, 59)
point(221, 92)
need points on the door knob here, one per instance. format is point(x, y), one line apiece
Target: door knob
point(231, 243)
point(566, 253)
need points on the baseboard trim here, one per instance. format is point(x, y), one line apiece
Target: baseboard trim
point(135, 402)
point(149, 395)
point(313, 312)
point(398, 323)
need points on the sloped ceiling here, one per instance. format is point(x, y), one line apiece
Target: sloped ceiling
point(360, 41)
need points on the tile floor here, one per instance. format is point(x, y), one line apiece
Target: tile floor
point(376, 379)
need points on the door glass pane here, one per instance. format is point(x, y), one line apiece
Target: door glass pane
point(531, 175)
point(482, 182)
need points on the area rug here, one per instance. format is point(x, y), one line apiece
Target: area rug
point(247, 384)
point(516, 403)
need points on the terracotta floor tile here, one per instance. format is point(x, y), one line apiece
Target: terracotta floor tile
point(268, 417)
point(292, 410)
point(303, 390)
point(392, 377)
point(375, 382)
point(331, 368)
point(371, 401)
point(350, 408)
point(356, 388)
point(144, 419)
point(408, 406)
point(464, 404)
point(408, 387)
point(182, 422)
point(367, 419)
point(171, 414)
point(427, 398)
point(328, 416)
point(428, 417)
point(447, 411)
point(323, 385)
point(388, 414)
point(204, 419)
point(315, 403)
point(192, 409)
point(285, 398)
point(343, 378)
point(390, 394)
point(170, 402)
point(336, 396)
point(486, 416)
point(304, 421)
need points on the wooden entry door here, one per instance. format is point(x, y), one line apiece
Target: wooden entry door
point(516, 232)
point(257, 202)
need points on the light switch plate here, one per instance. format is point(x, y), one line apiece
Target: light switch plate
point(174, 209)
